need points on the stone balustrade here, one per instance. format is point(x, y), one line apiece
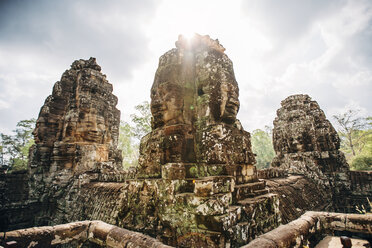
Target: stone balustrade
point(77, 233)
point(309, 228)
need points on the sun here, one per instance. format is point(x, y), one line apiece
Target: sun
point(188, 35)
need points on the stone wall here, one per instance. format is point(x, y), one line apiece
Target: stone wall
point(271, 172)
point(361, 192)
point(16, 210)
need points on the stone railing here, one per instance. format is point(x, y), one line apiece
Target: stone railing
point(309, 227)
point(76, 233)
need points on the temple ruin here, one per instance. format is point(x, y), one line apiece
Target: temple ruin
point(196, 184)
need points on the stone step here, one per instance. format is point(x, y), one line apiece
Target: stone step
point(221, 223)
point(214, 205)
point(261, 192)
point(187, 187)
point(246, 190)
point(200, 238)
point(199, 170)
point(208, 186)
point(234, 214)
point(259, 207)
point(253, 200)
point(248, 230)
point(256, 193)
point(252, 186)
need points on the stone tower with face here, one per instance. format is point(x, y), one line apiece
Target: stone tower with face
point(76, 132)
point(194, 103)
point(78, 126)
point(306, 143)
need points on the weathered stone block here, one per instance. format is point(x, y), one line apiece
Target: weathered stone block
point(197, 170)
point(173, 171)
point(208, 186)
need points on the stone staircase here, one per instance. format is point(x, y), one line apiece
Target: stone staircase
point(259, 212)
point(224, 211)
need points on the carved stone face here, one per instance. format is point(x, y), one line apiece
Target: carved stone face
point(167, 104)
point(92, 128)
point(194, 83)
point(89, 128)
point(230, 102)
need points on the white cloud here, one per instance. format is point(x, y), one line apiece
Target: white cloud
point(278, 48)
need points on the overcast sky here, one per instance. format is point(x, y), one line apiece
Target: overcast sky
point(317, 47)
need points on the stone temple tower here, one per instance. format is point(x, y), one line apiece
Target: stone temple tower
point(194, 103)
point(306, 143)
point(196, 177)
point(76, 132)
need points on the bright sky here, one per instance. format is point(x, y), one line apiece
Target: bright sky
point(318, 47)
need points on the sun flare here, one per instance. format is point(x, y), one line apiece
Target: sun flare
point(188, 35)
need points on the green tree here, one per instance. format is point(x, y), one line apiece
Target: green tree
point(14, 148)
point(130, 135)
point(362, 162)
point(128, 145)
point(141, 120)
point(262, 146)
point(356, 139)
point(353, 130)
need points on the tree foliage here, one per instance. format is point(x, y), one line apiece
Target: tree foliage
point(262, 146)
point(356, 138)
point(14, 148)
point(141, 120)
point(353, 130)
point(130, 134)
point(127, 144)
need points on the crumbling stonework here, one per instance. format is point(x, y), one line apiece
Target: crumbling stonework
point(306, 143)
point(76, 132)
